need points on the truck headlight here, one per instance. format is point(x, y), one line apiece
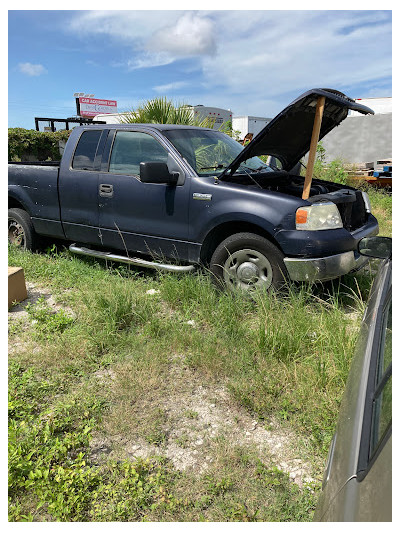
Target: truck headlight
point(324, 215)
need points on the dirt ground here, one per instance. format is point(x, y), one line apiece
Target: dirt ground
point(196, 415)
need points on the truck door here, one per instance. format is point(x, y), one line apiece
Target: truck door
point(78, 188)
point(141, 217)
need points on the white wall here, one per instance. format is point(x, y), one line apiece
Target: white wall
point(248, 124)
point(379, 105)
point(360, 139)
point(109, 118)
point(220, 115)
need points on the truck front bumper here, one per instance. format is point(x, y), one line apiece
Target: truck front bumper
point(324, 268)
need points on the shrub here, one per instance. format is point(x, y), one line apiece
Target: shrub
point(43, 145)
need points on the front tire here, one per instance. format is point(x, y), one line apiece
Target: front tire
point(21, 232)
point(247, 261)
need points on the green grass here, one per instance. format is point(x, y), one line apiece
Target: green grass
point(381, 204)
point(281, 359)
point(381, 199)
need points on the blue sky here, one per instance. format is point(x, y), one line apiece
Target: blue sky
point(253, 62)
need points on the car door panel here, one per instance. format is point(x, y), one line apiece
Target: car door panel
point(149, 218)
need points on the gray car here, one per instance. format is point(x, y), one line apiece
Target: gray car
point(357, 484)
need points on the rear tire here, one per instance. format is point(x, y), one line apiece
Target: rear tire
point(247, 261)
point(21, 232)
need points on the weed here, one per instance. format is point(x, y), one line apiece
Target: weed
point(272, 477)
point(183, 440)
point(241, 513)
point(15, 326)
point(155, 433)
point(52, 251)
point(217, 487)
point(45, 320)
point(189, 413)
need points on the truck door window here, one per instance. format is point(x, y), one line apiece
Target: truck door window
point(86, 150)
point(133, 147)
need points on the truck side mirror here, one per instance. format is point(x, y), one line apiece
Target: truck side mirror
point(157, 172)
point(379, 247)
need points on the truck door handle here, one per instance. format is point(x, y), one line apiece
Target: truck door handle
point(106, 190)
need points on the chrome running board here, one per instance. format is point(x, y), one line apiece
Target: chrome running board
point(130, 260)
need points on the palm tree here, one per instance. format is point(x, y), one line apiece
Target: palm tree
point(163, 111)
point(160, 110)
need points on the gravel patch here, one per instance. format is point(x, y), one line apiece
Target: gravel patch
point(200, 418)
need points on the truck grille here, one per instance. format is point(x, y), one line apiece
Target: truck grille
point(353, 213)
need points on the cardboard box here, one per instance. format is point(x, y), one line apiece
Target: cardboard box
point(16, 285)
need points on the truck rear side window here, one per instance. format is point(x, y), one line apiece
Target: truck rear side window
point(86, 150)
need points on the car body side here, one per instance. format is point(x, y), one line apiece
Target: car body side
point(357, 487)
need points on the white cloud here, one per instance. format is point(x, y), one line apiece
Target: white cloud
point(190, 35)
point(278, 53)
point(31, 70)
point(148, 60)
point(129, 27)
point(174, 86)
point(156, 38)
point(254, 62)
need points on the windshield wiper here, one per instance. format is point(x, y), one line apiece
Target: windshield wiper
point(245, 167)
point(260, 169)
point(215, 167)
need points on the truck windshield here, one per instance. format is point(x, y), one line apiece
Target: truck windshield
point(209, 153)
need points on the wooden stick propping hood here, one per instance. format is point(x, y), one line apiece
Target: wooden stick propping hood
point(319, 113)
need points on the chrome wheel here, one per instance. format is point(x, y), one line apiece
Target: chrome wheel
point(16, 234)
point(247, 269)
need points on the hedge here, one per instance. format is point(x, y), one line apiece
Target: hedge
point(40, 145)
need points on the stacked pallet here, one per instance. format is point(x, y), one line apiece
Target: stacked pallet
point(383, 168)
point(379, 174)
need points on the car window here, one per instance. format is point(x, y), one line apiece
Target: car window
point(86, 150)
point(382, 403)
point(130, 148)
point(210, 152)
point(386, 345)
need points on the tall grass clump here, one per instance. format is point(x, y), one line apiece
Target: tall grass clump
point(284, 356)
point(113, 311)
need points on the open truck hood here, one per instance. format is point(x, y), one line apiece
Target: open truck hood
point(288, 135)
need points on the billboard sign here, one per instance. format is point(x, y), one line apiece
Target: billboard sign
point(90, 107)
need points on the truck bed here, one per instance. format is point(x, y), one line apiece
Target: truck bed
point(36, 163)
point(36, 187)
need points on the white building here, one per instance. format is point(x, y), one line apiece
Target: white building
point(248, 124)
point(216, 113)
point(381, 106)
point(110, 118)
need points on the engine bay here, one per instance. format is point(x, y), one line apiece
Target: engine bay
point(284, 182)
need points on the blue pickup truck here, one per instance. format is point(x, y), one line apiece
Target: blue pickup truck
point(175, 197)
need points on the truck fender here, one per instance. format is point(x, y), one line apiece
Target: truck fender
point(222, 228)
point(18, 198)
